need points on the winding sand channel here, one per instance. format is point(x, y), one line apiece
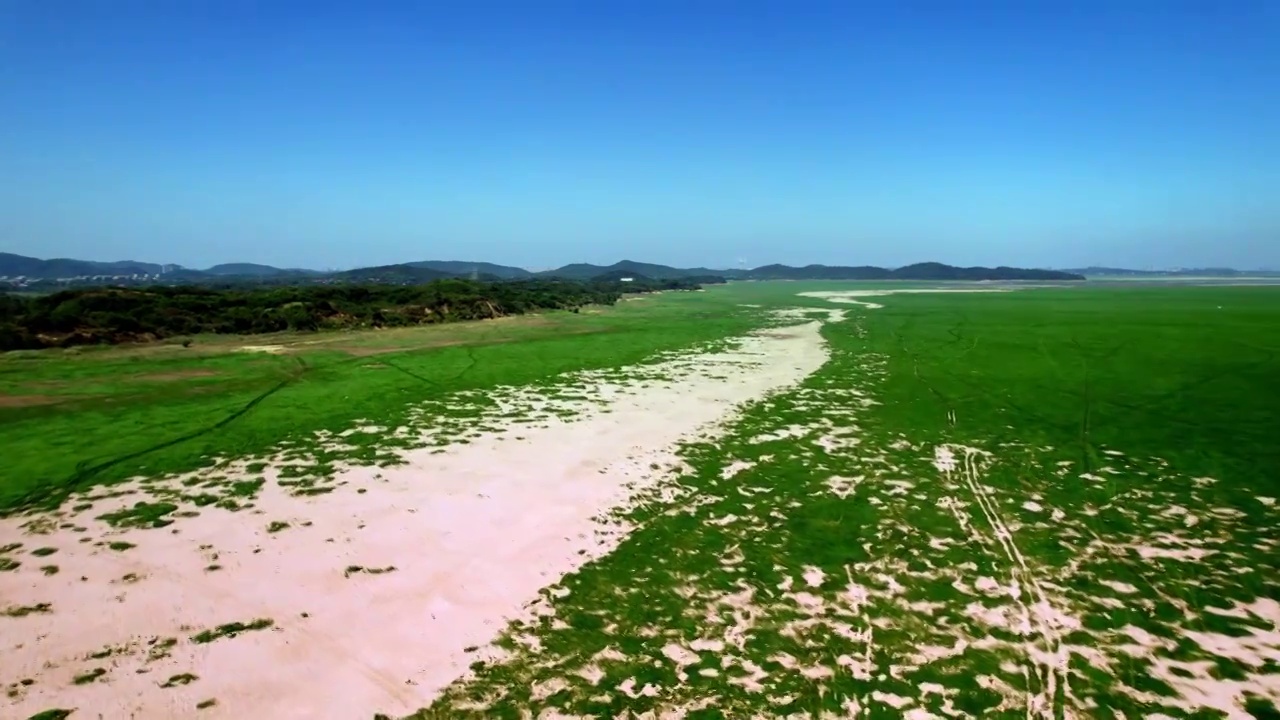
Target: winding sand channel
point(379, 592)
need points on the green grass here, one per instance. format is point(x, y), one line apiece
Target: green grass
point(114, 420)
point(1042, 384)
point(179, 680)
point(1183, 373)
point(91, 676)
point(18, 611)
point(53, 714)
point(231, 630)
point(1097, 436)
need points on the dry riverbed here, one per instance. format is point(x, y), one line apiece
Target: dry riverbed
point(383, 586)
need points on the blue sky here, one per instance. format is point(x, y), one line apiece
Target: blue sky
point(690, 132)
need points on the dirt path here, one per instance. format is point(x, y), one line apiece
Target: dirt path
point(368, 599)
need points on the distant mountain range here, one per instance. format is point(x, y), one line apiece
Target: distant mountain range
point(82, 271)
point(1094, 271)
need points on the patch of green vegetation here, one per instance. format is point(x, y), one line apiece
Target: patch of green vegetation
point(276, 526)
point(25, 610)
point(247, 488)
point(354, 569)
point(237, 404)
point(89, 677)
point(120, 545)
point(49, 569)
point(109, 651)
point(180, 679)
point(231, 630)
point(205, 704)
point(44, 551)
point(1261, 708)
point(1040, 437)
point(8, 564)
point(160, 648)
point(53, 714)
point(141, 515)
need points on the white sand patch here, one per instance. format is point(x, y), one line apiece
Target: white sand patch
point(987, 585)
point(269, 349)
point(707, 645)
point(464, 538)
point(832, 444)
point(786, 433)
point(804, 313)
point(843, 487)
point(680, 655)
point(545, 690)
point(849, 297)
point(897, 702)
point(1032, 506)
point(591, 673)
point(1123, 588)
point(813, 576)
point(1268, 501)
point(1184, 554)
point(736, 467)
point(897, 487)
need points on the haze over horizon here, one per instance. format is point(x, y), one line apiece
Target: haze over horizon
point(341, 135)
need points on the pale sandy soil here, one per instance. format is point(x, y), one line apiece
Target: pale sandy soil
point(849, 296)
point(467, 537)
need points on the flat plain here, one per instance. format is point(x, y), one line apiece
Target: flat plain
point(761, 500)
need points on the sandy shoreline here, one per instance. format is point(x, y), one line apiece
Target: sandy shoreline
point(472, 533)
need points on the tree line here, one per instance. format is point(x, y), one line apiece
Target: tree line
point(110, 315)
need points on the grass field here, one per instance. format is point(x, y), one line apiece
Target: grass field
point(1043, 503)
point(73, 419)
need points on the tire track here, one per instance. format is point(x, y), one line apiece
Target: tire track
point(1051, 663)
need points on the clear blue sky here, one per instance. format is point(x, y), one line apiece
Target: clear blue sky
point(690, 132)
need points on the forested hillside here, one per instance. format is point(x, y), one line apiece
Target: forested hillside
point(40, 275)
point(116, 314)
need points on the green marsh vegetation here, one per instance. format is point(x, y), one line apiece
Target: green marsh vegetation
point(231, 630)
point(1122, 436)
point(73, 421)
point(1120, 439)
